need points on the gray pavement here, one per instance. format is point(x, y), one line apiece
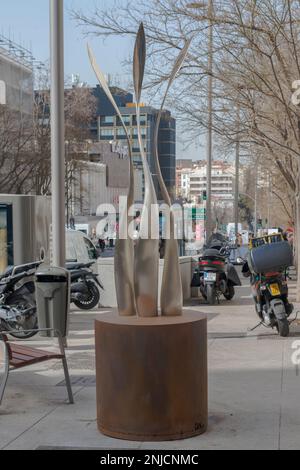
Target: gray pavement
point(253, 390)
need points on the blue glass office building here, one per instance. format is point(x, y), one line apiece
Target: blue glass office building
point(108, 127)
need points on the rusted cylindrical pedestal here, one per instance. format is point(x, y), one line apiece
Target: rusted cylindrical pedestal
point(152, 376)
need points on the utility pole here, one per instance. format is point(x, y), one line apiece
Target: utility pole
point(210, 124)
point(57, 131)
point(237, 177)
point(255, 200)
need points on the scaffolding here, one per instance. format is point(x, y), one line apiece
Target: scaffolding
point(20, 54)
point(17, 74)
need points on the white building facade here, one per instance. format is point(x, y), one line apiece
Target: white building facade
point(191, 183)
point(183, 183)
point(102, 179)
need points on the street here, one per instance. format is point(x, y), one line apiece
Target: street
point(253, 399)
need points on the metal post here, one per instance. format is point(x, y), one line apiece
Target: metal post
point(237, 178)
point(210, 124)
point(67, 185)
point(57, 131)
point(255, 200)
point(72, 191)
point(269, 201)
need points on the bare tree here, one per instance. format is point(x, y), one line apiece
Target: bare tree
point(80, 111)
point(256, 61)
point(15, 151)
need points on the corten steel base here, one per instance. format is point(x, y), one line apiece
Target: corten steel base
point(152, 376)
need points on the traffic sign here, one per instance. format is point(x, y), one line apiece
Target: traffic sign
point(196, 214)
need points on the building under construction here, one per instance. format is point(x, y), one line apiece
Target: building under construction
point(17, 67)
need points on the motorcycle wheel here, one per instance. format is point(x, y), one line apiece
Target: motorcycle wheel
point(230, 292)
point(90, 301)
point(211, 294)
point(283, 328)
point(30, 324)
point(204, 295)
point(203, 292)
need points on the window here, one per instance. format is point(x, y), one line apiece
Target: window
point(136, 146)
point(71, 255)
point(143, 120)
point(107, 120)
point(107, 133)
point(121, 132)
point(127, 120)
point(137, 159)
point(143, 132)
point(92, 252)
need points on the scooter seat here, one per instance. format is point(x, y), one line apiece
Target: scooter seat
point(74, 266)
point(212, 253)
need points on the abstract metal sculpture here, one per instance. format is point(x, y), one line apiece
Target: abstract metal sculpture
point(147, 250)
point(136, 273)
point(146, 365)
point(124, 250)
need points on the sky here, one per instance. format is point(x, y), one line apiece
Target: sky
point(27, 23)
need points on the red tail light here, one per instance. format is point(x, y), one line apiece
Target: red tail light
point(275, 274)
point(207, 263)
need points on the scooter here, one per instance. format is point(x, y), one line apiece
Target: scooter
point(267, 265)
point(84, 285)
point(216, 276)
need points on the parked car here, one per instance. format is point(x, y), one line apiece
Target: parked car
point(79, 248)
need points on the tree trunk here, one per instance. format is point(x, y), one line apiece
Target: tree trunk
point(297, 242)
point(295, 245)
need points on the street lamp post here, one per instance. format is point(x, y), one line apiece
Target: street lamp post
point(237, 177)
point(57, 131)
point(255, 200)
point(210, 123)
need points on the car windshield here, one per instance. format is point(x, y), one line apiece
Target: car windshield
point(91, 249)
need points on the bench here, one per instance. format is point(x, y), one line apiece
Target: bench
point(15, 356)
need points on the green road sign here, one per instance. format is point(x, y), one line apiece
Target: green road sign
point(196, 214)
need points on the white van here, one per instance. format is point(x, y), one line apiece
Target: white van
point(79, 248)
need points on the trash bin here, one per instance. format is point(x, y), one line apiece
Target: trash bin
point(53, 299)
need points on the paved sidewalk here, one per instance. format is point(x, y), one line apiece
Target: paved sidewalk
point(253, 390)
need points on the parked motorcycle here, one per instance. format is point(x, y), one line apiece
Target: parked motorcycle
point(84, 286)
point(23, 268)
point(267, 269)
point(215, 275)
point(18, 313)
point(17, 301)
